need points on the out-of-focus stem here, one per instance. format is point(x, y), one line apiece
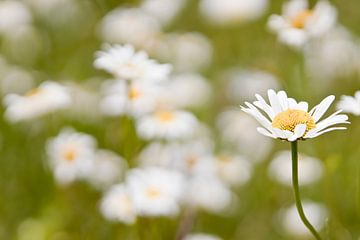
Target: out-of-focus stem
point(186, 223)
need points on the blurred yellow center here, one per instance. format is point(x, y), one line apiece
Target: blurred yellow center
point(288, 120)
point(300, 19)
point(33, 92)
point(70, 155)
point(165, 116)
point(153, 193)
point(133, 93)
point(191, 161)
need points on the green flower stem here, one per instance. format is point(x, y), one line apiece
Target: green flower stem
point(295, 179)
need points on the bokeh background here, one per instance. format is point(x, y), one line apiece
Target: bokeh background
point(59, 42)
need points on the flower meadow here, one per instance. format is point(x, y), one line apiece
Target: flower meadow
point(179, 119)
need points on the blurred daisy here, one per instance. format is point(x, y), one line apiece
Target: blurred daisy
point(245, 83)
point(159, 154)
point(291, 222)
point(115, 28)
point(310, 169)
point(134, 99)
point(299, 23)
point(236, 128)
point(48, 97)
point(289, 120)
point(167, 124)
point(208, 193)
point(117, 205)
point(125, 63)
point(232, 11)
point(201, 236)
point(156, 191)
point(13, 15)
point(233, 170)
point(164, 10)
point(71, 155)
point(350, 104)
point(107, 168)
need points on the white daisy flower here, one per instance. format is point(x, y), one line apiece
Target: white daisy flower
point(350, 104)
point(208, 193)
point(156, 191)
point(71, 155)
point(201, 236)
point(292, 224)
point(114, 27)
point(117, 205)
point(48, 97)
point(13, 15)
point(310, 169)
point(289, 120)
point(125, 63)
point(164, 10)
point(298, 23)
point(232, 11)
point(107, 168)
point(167, 124)
point(134, 99)
point(233, 170)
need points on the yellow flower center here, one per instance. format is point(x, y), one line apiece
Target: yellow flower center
point(300, 19)
point(153, 192)
point(191, 161)
point(70, 155)
point(33, 92)
point(165, 116)
point(287, 120)
point(133, 93)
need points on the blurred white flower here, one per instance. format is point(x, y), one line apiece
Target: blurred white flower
point(134, 99)
point(187, 90)
point(71, 155)
point(13, 15)
point(201, 236)
point(125, 63)
point(289, 120)
point(107, 168)
point(164, 10)
point(245, 83)
point(233, 169)
point(159, 154)
point(232, 11)
point(156, 191)
point(208, 193)
point(117, 205)
point(350, 104)
point(167, 124)
point(236, 128)
point(115, 28)
point(48, 97)
point(292, 224)
point(188, 51)
point(310, 169)
point(298, 23)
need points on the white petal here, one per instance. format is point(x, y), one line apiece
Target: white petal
point(266, 107)
point(300, 130)
point(302, 106)
point(265, 132)
point(283, 100)
point(324, 131)
point(323, 107)
point(274, 101)
point(292, 103)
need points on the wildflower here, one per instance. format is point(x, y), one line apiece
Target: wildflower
point(125, 63)
point(48, 97)
point(14, 14)
point(298, 23)
point(350, 104)
point(289, 120)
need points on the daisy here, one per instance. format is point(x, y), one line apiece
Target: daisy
point(48, 97)
point(155, 191)
point(117, 205)
point(13, 15)
point(71, 155)
point(164, 10)
point(289, 120)
point(167, 124)
point(125, 63)
point(350, 104)
point(298, 23)
point(133, 99)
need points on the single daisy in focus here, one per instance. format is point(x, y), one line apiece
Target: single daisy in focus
point(156, 191)
point(289, 120)
point(134, 99)
point(298, 23)
point(48, 97)
point(71, 155)
point(167, 124)
point(350, 104)
point(125, 63)
point(117, 205)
